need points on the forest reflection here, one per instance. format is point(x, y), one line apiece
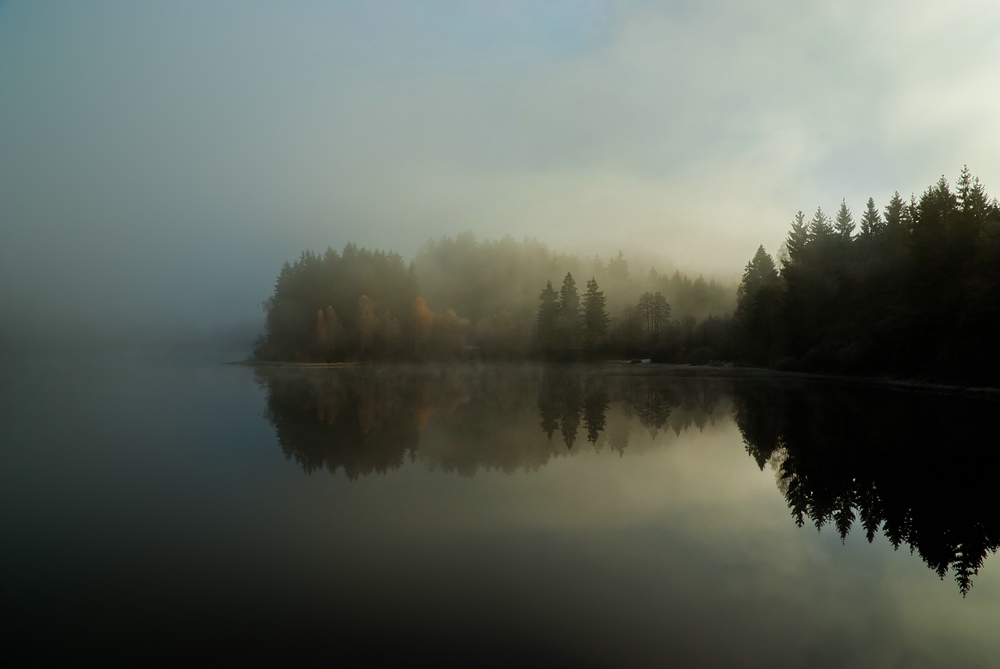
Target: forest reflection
point(917, 467)
point(464, 418)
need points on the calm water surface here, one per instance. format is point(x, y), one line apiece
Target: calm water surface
point(491, 515)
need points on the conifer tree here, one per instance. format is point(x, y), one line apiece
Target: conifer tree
point(569, 310)
point(618, 268)
point(797, 239)
point(595, 317)
point(964, 186)
point(871, 221)
point(759, 273)
point(844, 224)
point(547, 319)
point(757, 303)
point(819, 226)
point(896, 222)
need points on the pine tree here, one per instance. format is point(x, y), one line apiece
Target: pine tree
point(547, 319)
point(595, 317)
point(844, 224)
point(798, 239)
point(895, 220)
point(757, 300)
point(871, 221)
point(963, 188)
point(759, 273)
point(569, 310)
point(618, 268)
point(819, 226)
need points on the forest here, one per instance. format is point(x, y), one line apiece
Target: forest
point(910, 290)
point(461, 297)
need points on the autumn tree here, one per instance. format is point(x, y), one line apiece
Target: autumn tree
point(423, 318)
point(328, 333)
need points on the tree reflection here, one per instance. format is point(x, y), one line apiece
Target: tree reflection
point(915, 466)
point(461, 418)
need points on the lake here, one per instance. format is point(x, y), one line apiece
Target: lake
point(179, 509)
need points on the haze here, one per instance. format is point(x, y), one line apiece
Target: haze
point(160, 161)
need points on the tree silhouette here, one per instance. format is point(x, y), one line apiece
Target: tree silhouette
point(595, 317)
point(548, 317)
point(570, 325)
point(844, 222)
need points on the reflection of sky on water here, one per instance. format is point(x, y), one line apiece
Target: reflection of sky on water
point(168, 478)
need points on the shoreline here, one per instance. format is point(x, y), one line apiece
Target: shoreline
point(669, 369)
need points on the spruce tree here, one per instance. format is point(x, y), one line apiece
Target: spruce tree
point(595, 317)
point(757, 303)
point(819, 226)
point(618, 268)
point(797, 240)
point(759, 273)
point(871, 221)
point(844, 224)
point(547, 319)
point(569, 311)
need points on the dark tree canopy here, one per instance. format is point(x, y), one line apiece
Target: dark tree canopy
point(916, 292)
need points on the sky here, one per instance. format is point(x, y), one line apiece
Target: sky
point(160, 161)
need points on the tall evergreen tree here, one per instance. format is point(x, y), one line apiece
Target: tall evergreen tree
point(618, 268)
point(844, 223)
point(569, 310)
point(757, 305)
point(759, 273)
point(547, 319)
point(595, 316)
point(819, 226)
point(797, 239)
point(871, 221)
point(896, 220)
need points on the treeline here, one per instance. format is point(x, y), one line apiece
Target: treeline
point(913, 290)
point(461, 297)
point(570, 326)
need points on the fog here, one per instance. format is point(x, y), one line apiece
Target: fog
point(159, 162)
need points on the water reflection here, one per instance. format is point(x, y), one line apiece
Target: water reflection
point(915, 466)
point(372, 420)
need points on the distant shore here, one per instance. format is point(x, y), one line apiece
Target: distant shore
point(727, 371)
point(279, 363)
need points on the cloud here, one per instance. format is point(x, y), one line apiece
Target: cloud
point(160, 161)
